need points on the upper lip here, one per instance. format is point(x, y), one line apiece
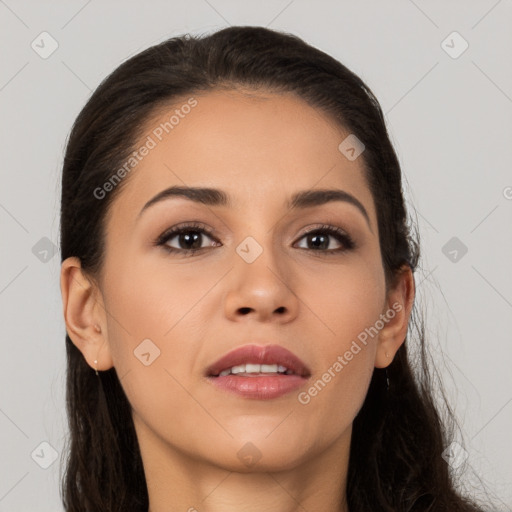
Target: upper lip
point(257, 354)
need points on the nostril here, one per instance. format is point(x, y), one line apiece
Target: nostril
point(245, 310)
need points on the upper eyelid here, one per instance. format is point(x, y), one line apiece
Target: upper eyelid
point(209, 231)
point(174, 231)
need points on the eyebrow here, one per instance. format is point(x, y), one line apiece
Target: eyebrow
point(216, 197)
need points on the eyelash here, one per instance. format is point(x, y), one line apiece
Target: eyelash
point(345, 239)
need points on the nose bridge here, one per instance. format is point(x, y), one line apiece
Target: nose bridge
point(258, 262)
point(259, 282)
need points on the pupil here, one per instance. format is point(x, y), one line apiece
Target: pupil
point(186, 238)
point(316, 237)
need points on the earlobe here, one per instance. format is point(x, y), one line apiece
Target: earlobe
point(397, 314)
point(84, 314)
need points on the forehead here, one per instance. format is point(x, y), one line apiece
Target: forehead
point(258, 147)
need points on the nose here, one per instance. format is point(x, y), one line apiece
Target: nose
point(261, 290)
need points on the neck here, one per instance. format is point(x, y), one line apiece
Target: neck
point(177, 481)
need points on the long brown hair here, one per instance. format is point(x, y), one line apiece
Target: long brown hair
point(396, 460)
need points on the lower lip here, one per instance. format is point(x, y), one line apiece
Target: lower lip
point(259, 387)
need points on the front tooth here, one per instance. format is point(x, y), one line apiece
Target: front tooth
point(254, 368)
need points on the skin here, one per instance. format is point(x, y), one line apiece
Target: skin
point(260, 148)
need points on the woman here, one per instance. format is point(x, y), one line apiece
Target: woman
point(237, 281)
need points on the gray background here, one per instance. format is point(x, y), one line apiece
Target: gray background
point(449, 117)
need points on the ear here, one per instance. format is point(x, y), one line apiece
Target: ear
point(396, 314)
point(84, 314)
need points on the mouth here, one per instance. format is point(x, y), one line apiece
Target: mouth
point(255, 361)
point(257, 372)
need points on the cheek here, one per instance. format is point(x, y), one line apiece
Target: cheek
point(346, 301)
point(349, 305)
point(156, 327)
point(152, 340)
point(149, 300)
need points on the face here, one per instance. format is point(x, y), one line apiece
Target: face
point(255, 277)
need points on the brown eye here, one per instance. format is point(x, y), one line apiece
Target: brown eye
point(188, 238)
point(319, 239)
